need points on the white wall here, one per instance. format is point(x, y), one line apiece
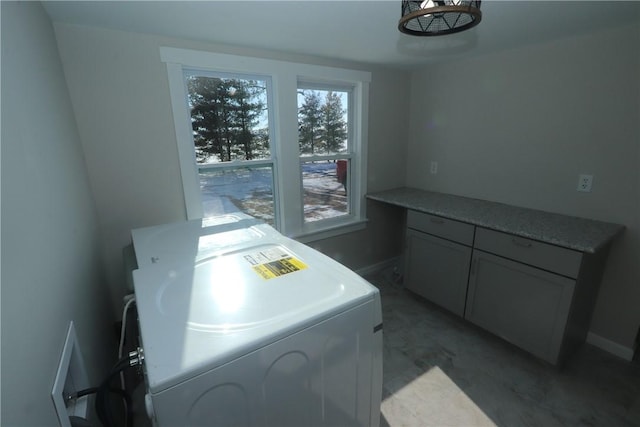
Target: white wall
point(51, 270)
point(519, 126)
point(120, 94)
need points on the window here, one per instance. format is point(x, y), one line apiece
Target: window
point(281, 141)
point(230, 132)
point(325, 150)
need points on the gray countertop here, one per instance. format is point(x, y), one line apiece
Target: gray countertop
point(581, 234)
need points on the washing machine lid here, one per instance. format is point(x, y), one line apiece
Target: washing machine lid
point(194, 318)
point(189, 241)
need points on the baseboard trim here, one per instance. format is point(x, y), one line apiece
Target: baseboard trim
point(377, 267)
point(611, 347)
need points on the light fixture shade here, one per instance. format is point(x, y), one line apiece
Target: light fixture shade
point(438, 17)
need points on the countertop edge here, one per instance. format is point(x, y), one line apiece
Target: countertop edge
point(575, 233)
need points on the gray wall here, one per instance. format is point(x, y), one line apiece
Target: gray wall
point(519, 126)
point(120, 94)
point(388, 119)
point(51, 270)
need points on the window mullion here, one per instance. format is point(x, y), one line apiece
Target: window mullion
point(289, 179)
point(360, 136)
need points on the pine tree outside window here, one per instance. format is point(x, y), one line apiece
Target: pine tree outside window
point(323, 132)
point(230, 128)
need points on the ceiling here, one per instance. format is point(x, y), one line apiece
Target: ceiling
point(354, 30)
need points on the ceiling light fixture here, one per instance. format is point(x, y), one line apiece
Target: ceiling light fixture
point(438, 17)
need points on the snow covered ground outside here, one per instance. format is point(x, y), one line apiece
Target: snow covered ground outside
point(250, 191)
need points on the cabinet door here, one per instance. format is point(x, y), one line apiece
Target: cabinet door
point(524, 305)
point(437, 269)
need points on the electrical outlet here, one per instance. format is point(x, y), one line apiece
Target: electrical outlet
point(585, 182)
point(434, 168)
point(70, 378)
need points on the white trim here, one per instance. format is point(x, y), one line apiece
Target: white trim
point(611, 347)
point(186, 153)
point(379, 266)
point(287, 150)
point(284, 78)
point(236, 164)
point(361, 139)
point(324, 157)
point(243, 64)
point(337, 230)
point(70, 377)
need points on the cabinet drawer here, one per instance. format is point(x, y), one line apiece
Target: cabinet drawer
point(446, 228)
point(548, 257)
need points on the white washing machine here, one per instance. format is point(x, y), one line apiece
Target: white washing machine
point(190, 241)
point(258, 331)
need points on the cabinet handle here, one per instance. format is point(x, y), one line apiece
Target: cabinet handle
point(521, 243)
point(437, 220)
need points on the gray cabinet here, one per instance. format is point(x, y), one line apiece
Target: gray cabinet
point(536, 291)
point(535, 295)
point(437, 268)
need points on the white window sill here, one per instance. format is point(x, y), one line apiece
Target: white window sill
point(332, 231)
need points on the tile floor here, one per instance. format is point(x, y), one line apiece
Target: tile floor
point(439, 370)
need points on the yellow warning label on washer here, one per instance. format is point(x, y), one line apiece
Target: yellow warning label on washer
point(278, 268)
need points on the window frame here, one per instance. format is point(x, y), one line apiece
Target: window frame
point(349, 155)
point(197, 207)
point(285, 78)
